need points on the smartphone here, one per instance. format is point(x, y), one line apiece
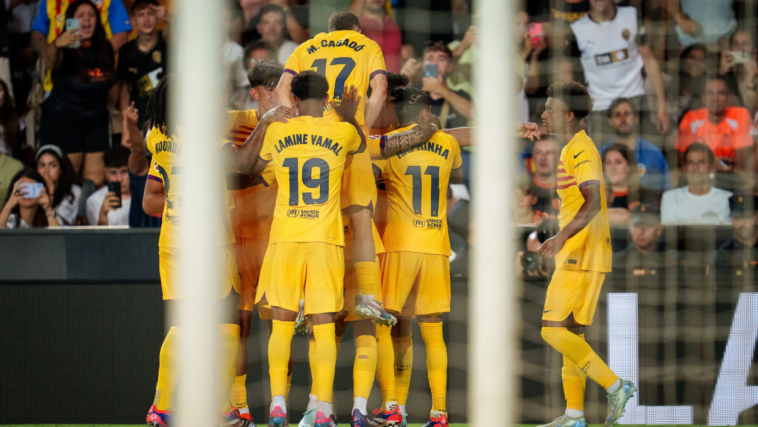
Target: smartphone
point(535, 33)
point(115, 187)
point(32, 191)
point(430, 70)
point(740, 57)
point(73, 24)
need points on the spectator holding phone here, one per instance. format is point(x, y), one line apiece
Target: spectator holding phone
point(110, 205)
point(28, 203)
point(60, 180)
point(739, 68)
point(454, 108)
point(75, 115)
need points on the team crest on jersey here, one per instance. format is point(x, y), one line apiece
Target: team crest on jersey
point(157, 57)
point(626, 34)
point(419, 223)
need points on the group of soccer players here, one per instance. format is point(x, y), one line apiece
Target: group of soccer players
point(338, 214)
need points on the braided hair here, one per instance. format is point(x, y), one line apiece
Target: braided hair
point(409, 103)
point(157, 106)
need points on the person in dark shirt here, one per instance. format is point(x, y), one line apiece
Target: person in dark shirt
point(454, 108)
point(738, 255)
point(623, 184)
point(142, 61)
point(643, 257)
point(75, 115)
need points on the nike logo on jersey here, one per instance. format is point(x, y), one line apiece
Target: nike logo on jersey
point(579, 154)
point(546, 311)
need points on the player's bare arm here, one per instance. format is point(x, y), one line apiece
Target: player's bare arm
point(247, 159)
point(347, 109)
point(456, 176)
point(284, 90)
point(154, 197)
point(399, 142)
point(586, 213)
point(376, 100)
point(138, 163)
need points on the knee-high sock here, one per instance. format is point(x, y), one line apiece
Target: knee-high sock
point(167, 370)
point(403, 348)
point(227, 362)
point(312, 362)
point(279, 355)
point(574, 382)
point(364, 367)
point(436, 363)
point(326, 360)
point(366, 274)
point(385, 364)
point(239, 392)
point(580, 354)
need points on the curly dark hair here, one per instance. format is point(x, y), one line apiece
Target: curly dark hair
point(343, 21)
point(310, 85)
point(409, 103)
point(265, 73)
point(116, 156)
point(157, 106)
point(574, 95)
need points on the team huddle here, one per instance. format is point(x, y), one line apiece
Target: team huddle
point(311, 239)
point(337, 213)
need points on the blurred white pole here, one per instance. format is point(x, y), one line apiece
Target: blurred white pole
point(493, 342)
point(196, 108)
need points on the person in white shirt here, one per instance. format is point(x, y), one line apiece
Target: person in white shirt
point(612, 48)
point(56, 169)
point(103, 205)
point(698, 202)
point(271, 28)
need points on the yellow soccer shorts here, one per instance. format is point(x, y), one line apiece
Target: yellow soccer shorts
point(573, 292)
point(313, 271)
point(351, 290)
point(415, 283)
point(250, 254)
point(168, 259)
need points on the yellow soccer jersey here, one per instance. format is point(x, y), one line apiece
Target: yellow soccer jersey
point(309, 154)
point(345, 58)
point(589, 249)
point(417, 181)
point(166, 168)
point(253, 206)
point(359, 188)
point(374, 147)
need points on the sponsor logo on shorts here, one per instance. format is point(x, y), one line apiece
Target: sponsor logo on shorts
point(303, 213)
point(434, 224)
point(572, 261)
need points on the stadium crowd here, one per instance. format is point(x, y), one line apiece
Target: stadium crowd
point(673, 85)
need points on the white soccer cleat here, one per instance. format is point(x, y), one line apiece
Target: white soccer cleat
point(309, 418)
point(373, 310)
point(566, 421)
point(617, 402)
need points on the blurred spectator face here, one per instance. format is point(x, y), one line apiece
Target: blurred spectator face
point(271, 27)
point(525, 200)
point(87, 16)
point(716, 96)
point(545, 156)
point(522, 20)
point(645, 236)
point(145, 20)
point(555, 115)
point(741, 42)
point(617, 168)
point(443, 62)
point(623, 120)
point(121, 175)
point(374, 6)
point(694, 63)
point(698, 168)
point(407, 52)
point(24, 202)
point(600, 5)
point(49, 167)
point(259, 55)
point(266, 96)
point(744, 227)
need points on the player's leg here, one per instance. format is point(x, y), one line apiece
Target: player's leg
point(572, 296)
point(402, 344)
point(248, 272)
point(385, 371)
point(364, 370)
point(229, 336)
point(279, 353)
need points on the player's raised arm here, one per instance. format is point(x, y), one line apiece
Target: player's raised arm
point(284, 90)
point(585, 214)
point(376, 100)
point(347, 109)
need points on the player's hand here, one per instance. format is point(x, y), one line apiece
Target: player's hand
point(67, 38)
point(278, 114)
point(527, 130)
point(349, 105)
point(431, 119)
point(552, 246)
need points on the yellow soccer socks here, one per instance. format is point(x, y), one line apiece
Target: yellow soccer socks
point(278, 358)
point(385, 365)
point(366, 274)
point(436, 363)
point(167, 371)
point(403, 347)
point(580, 354)
point(574, 382)
point(239, 392)
point(364, 370)
point(326, 362)
point(229, 335)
